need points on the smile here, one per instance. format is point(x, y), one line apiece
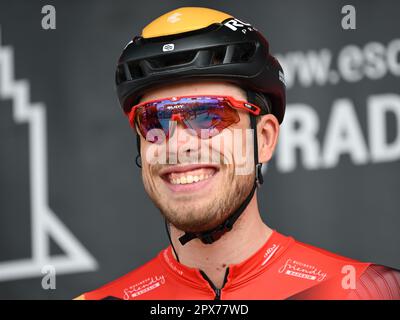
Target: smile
point(190, 175)
point(193, 176)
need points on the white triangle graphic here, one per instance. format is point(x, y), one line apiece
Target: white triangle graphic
point(45, 223)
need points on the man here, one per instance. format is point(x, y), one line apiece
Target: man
point(194, 79)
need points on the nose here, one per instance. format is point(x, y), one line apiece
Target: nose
point(181, 139)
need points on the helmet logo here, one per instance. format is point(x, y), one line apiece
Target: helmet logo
point(234, 24)
point(174, 18)
point(168, 47)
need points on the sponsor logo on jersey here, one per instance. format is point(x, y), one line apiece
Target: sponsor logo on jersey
point(143, 286)
point(171, 264)
point(302, 270)
point(269, 253)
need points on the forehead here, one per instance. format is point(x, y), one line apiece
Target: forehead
point(195, 88)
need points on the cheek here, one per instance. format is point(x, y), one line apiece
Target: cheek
point(221, 146)
point(149, 178)
point(243, 145)
point(153, 153)
point(235, 145)
point(145, 177)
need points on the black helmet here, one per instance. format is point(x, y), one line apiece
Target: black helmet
point(199, 43)
point(203, 44)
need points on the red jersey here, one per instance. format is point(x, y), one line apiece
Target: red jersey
point(283, 268)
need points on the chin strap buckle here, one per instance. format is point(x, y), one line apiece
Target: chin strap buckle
point(208, 237)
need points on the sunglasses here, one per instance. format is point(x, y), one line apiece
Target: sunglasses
point(206, 116)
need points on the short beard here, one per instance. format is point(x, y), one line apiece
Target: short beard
point(213, 212)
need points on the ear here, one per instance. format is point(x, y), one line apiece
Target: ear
point(267, 135)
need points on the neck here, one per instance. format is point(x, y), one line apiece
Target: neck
point(248, 234)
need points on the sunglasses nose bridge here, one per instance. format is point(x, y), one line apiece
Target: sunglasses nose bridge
point(176, 121)
point(176, 117)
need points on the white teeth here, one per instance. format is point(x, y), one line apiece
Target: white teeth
point(189, 179)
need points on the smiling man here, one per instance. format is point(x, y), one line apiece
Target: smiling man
point(193, 86)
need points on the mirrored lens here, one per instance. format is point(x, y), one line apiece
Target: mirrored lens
point(208, 116)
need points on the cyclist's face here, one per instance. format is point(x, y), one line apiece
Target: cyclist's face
point(197, 183)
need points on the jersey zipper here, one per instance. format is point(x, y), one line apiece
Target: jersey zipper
point(216, 290)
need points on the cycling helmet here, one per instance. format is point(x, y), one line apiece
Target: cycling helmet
point(194, 43)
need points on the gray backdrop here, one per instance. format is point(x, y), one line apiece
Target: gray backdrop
point(79, 204)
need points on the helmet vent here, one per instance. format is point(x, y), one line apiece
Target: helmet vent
point(135, 70)
point(120, 75)
point(173, 59)
point(243, 52)
point(235, 53)
point(218, 55)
